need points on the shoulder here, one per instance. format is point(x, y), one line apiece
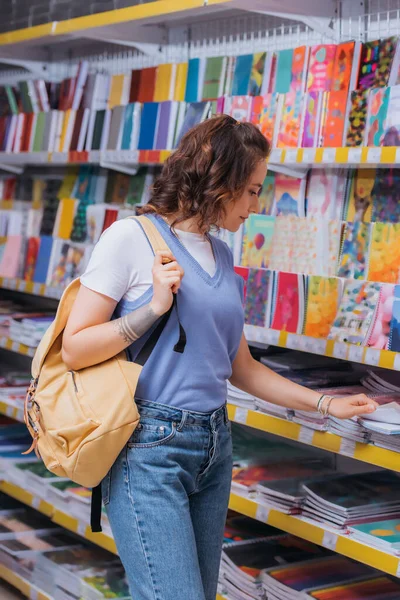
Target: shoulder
point(125, 231)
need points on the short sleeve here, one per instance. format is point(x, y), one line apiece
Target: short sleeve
point(113, 268)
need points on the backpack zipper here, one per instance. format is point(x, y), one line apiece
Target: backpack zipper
point(74, 381)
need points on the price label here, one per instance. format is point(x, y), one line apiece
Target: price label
point(372, 356)
point(275, 156)
point(272, 336)
point(374, 155)
point(81, 529)
point(241, 415)
point(330, 540)
point(33, 594)
point(291, 156)
point(356, 353)
point(35, 502)
point(306, 435)
point(340, 350)
point(355, 155)
point(329, 155)
point(293, 341)
point(397, 155)
point(36, 288)
point(11, 284)
point(262, 513)
point(308, 155)
point(396, 365)
point(9, 411)
point(347, 447)
point(398, 570)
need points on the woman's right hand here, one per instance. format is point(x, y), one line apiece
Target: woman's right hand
point(167, 277)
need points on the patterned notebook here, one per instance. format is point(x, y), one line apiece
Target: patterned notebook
point(384, 257)
point(355, 246)
point(322, 304)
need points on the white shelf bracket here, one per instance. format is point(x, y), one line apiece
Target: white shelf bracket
point(16, 170)
point(127, 170)
point(148, 48)
point(36, 68)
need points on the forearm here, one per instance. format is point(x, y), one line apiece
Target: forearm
point(258, 380)
point(98, 343)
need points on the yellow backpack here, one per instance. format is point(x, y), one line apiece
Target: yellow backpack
point(81, 420)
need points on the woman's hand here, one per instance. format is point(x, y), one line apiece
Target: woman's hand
point(352, 406)
point(167, 277)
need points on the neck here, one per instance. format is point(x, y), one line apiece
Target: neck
point(190, 225)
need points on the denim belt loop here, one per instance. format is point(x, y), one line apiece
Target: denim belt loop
point(183, 420)
point(226, 416)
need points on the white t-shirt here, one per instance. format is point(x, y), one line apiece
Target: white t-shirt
point(121, 262)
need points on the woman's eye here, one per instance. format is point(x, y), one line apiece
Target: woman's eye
point(252, 193)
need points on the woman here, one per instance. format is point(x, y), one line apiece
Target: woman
point(167, 493)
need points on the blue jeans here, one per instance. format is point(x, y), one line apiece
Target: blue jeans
point(166, 498)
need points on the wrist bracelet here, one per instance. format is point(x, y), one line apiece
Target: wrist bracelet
point(320, 401)
point(328, 406)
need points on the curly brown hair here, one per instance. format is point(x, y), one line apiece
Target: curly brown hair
point(209, 169)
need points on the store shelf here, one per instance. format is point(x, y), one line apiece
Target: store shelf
point(360, 354)
point(9, 344)
point(318, 534)
point(12, 411)
point(57, 516)
point(324, 440)
point(27, 589)
point(29, 287)
point(297, 157)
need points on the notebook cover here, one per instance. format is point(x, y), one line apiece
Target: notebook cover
point(312, 119)
point(127, 126)
point(77, 129)
point(335, 119)
point(39, 133)
point(283, 77)
point(163, 126)
point(384, 253)
point(110, 217)
point(392, 125)
point(257, 244)
point(192, 83)
point(10, 262)
point(242, 74)
point(26, 132)
point(379, 337)
point(148, 125)
point(212, 77)
point(378, 104)
point(357, 118)
point(289, 195)
point(135, 85)
point(180, 81)
point(243, 272)
point(256, 309)
point(394, 337)
point(342, 68)
point(43, 259)
point(115, 95)
point(267, 195)
point(387, 49)
point(321, 193)
point(98, 129)
point(368, 64)
point(320, 70)
point(163, 83)
point(299, 69)
point(257, 73)
point(286, 315)
point(195, 113)
point(289, 127)
point(356, 312)
point(240, 108)
point(117, 118)
point(381, 588)
point(322, 304)
point(386, 196)
point(268, 117)
point(147, 84)
point(355, 248)
point(360, 199)
point(32, 252)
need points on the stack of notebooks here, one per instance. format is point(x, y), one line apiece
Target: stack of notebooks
point(22, 325)
point(315, 578)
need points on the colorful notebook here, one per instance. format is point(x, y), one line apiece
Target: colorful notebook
point(214, 77)
point(242, 75)
point(324, 195)
point(392, 126)
point(322, 304)
point(192, 82)
point(357, 118)
point(270, 117)
point(290, 123)
point(368, 65)
point(312, 119)
point(381, 588)
point(299, 68)
point(256, 250)
point(320, 72)
point(379, 337)
point(360, 198)
point(343, 67)
point(288, 303)
point(257, 73)
point(267, 195)
point(378, 103)
point(334, 125)
point(356, 312)
point(283, 74)
point(387, 49)
point(355, 247)
point(289, 195)
point(384, 257)
point(239, 107)
point(257, 305)
point(386, 196)
point(394, 335)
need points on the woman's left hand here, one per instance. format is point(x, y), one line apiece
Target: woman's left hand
point(352, 406)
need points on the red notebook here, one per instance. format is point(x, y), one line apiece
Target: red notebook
point(32, 252)
point(320, 73)
point(343, 66)
point(288, 303)
point(244, 273)
point(147, 84)
point(110, 217)
point(335, 119)
point(135, 85)
point(27, 132)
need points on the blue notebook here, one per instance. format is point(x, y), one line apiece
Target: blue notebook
point(127, 127)
point(241, 76)
point(148, 125)
point(283, 76)
point(192, 81)
point(43, 259)
point(394, 337)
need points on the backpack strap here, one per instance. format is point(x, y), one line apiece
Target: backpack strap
point(155, 238)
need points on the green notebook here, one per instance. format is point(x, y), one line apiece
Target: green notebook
point(39, 132)
point(98, 129)
point(12, 99)
point(213, 76)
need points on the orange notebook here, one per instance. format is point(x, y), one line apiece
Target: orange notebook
point(343, 66)
point(335, 119)
point(147, 84)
